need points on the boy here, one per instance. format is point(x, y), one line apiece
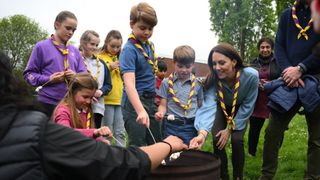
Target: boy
point(162, 70)
point(181, 96)
point(138, 67)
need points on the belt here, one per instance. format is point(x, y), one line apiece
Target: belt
point(181, 121)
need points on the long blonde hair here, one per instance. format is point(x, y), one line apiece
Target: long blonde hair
point(78, 82)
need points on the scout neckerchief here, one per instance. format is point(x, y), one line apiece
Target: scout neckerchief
point(302, 32)
point(88, 123)
point(113, 57)
point(175, 99)
point(64, 51)
point(230, 119)
point(88, 69)
point(138, 45)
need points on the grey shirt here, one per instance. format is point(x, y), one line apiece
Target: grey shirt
point(182, 91)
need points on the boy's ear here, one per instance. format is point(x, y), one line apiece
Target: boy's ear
point(56, 25)
point(131, 24)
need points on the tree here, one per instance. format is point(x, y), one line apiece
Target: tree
point(282, 5)
point(242, 23)
point(18, 34)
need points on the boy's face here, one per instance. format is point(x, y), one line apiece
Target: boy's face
point(161, 74)
point(183, 71)
point(141, 30)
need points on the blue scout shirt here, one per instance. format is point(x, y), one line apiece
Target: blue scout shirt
point(248, 92)
point(132, 60)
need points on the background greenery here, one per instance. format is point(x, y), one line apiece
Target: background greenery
point(292, 156)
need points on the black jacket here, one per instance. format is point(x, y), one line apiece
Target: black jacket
point(275, 71)
point(33, 148)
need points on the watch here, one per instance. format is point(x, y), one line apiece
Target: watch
point(300, 69)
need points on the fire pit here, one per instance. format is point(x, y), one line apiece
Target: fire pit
point(191, 164)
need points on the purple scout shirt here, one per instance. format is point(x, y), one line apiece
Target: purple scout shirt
point(45, 60)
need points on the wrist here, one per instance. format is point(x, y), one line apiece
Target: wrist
point(165, 142)
point(301, 68)
point(203, 133)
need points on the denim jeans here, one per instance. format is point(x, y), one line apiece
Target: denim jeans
point(113, 119)
point(184, 131)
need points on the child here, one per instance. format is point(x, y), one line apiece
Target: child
point(138, 66)
point(89, 42)
point(75, 110)
point(181, 96)
point(162, 70)
point(113, 115)
point(53, 62)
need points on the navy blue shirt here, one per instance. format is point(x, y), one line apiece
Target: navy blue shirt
point(132, 60)
point(289, 50)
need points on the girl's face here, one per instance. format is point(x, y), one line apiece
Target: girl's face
point(141, 30)
point(265, 49)
point(83, 97)
point(65, 29)
point(114, 46)
point(183, 71)
point(90, 47)
point(224, 66)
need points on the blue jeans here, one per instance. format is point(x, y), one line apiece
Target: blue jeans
point(113, 119)
point(184, 131)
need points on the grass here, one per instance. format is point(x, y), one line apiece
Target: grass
point(292, 155)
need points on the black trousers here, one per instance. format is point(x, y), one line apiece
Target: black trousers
point(256, 125)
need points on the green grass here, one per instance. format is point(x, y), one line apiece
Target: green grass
point(292, 155)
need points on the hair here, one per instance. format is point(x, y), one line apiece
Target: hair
point(115, 34)
point(184, 55)
point(78, 82)
point(143, 12)
point(302, 2)
point(227, 50)
point(86, 37)
point(63, 15)
point(162, 66)
point(267, 40)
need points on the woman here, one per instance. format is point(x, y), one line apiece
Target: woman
point(268, 70)
point(230, 93)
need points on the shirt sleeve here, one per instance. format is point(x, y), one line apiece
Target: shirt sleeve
point(164, 89)
point(200, 95)
point(247, 106)
point(81, 66)
point(62, 116)
point(127, 60)
point(107, 85)
point(206, 114)
point(32, 74)
point(67, 154)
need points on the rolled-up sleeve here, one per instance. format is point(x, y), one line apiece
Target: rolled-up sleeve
point(205, 115)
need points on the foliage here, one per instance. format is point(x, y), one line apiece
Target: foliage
point(281, 5)
point(292, 155)
point(242, 23)
point(18, 34)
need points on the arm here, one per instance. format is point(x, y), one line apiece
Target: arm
point(107, 85)
point(162, 110)
point(130, 86)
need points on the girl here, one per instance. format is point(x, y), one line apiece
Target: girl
point(75, 110)
point(110, 54)
point(53, 62)
point(230, 94)
point(89, 42)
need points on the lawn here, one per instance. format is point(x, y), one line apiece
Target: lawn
point(292, 157)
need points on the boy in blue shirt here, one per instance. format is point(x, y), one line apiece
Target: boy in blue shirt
point(138, 67)
point(181, 95)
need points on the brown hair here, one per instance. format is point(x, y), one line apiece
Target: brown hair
point(144, 12)
point(184, 55)
point(115, 34)
point(63, 15)
point(227, 50)
point(78, 82)
point(86, 37)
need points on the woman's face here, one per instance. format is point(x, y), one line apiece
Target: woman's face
point(265, 49)
point(83, 97)
point(223, 66)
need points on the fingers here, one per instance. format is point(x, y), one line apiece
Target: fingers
point(104, 131)
point(300, 82)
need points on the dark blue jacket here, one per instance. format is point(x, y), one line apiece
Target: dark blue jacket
point(282, 98)
point(290, 51)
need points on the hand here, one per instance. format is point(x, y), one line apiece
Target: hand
point(291, 75)
point(197, 142)
point(114, 65)
point(159, 116)
point(98, 93)
point(105, 141)
point(176, 143)
point(143, 118)
point(69, 73)
point(103, 131)
point(94, 100)
point(57, 77)
point(223, 139)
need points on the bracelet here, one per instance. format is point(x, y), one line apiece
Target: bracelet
point(202, 135)
point(170, 152)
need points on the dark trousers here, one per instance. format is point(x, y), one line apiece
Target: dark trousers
point(48, 108)
point(274, 135)
point(254, 134)
point(237, 144)
point(138, 134)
